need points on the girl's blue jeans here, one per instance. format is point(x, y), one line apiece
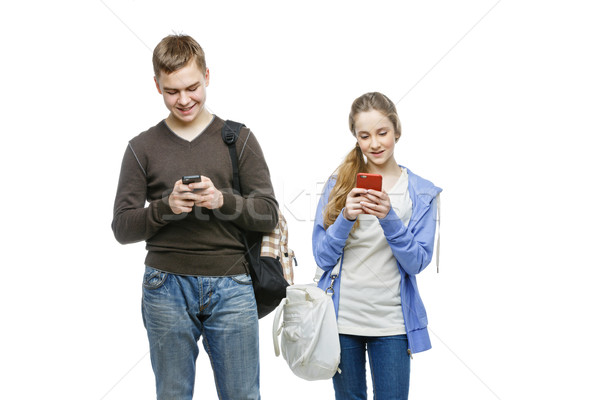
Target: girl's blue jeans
point(389, 362)
point(178, 310)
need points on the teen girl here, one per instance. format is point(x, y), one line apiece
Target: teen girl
point(380, 241)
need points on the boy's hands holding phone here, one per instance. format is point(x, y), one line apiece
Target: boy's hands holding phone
point(208, 195)
point(196, 191)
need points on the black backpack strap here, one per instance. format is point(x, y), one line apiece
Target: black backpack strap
point(230, 134)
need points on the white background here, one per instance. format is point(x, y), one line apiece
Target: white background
point(499, 106)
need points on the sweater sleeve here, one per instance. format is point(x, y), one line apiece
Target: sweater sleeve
point(413, 249)
point(256, 209)
point(328, 244)
point(132, 220)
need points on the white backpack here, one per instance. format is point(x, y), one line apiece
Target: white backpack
point(309, 336)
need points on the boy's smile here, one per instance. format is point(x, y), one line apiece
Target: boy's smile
point(187, 110)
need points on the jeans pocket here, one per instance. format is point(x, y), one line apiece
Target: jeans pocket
point(153, 278)
point(242, 279)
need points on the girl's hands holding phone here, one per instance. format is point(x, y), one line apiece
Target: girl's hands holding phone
point(363, 201)
point(377, 203)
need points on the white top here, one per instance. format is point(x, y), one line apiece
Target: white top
point(370, 279)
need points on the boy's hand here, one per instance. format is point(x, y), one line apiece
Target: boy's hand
point(208, 196)
point(182, 198)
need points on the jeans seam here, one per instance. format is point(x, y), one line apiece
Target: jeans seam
point(201, 305)
point(372, 373)
point(236, 280)
point(207, 348)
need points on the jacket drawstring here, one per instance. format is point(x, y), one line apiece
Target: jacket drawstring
point(437, 234)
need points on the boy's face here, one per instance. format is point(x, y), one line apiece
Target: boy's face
point(184, 91)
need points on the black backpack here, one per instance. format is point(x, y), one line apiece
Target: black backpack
point(269, 258)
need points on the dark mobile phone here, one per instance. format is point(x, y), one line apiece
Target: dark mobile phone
point(187, 179)
point(369, 181)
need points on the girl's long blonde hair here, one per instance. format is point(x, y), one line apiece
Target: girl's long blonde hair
point(354, 161)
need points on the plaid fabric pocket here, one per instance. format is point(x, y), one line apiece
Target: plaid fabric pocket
point(275, 245)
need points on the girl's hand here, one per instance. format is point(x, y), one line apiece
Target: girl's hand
point(376, 203)
point(353, 203)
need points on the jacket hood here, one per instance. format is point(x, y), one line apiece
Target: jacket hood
point(424, 189)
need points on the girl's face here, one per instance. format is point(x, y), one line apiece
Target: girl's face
point(376, 137)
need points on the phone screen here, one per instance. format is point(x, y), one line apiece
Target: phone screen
point(187, 179)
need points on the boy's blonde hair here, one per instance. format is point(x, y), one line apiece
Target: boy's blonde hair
point(174, 52)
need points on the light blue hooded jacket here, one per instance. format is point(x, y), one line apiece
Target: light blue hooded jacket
point(412, 246)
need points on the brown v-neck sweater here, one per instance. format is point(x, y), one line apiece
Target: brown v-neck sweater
point(203, 242)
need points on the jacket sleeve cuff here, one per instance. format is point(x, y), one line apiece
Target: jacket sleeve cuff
point(341, 227)
point(392, 224)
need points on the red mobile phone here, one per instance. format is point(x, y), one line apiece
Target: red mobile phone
point(369, 181)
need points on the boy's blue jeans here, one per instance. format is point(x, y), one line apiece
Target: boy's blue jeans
point(178, 310)
point(389, 362)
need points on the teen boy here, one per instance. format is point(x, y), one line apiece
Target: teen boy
point(196, 281)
